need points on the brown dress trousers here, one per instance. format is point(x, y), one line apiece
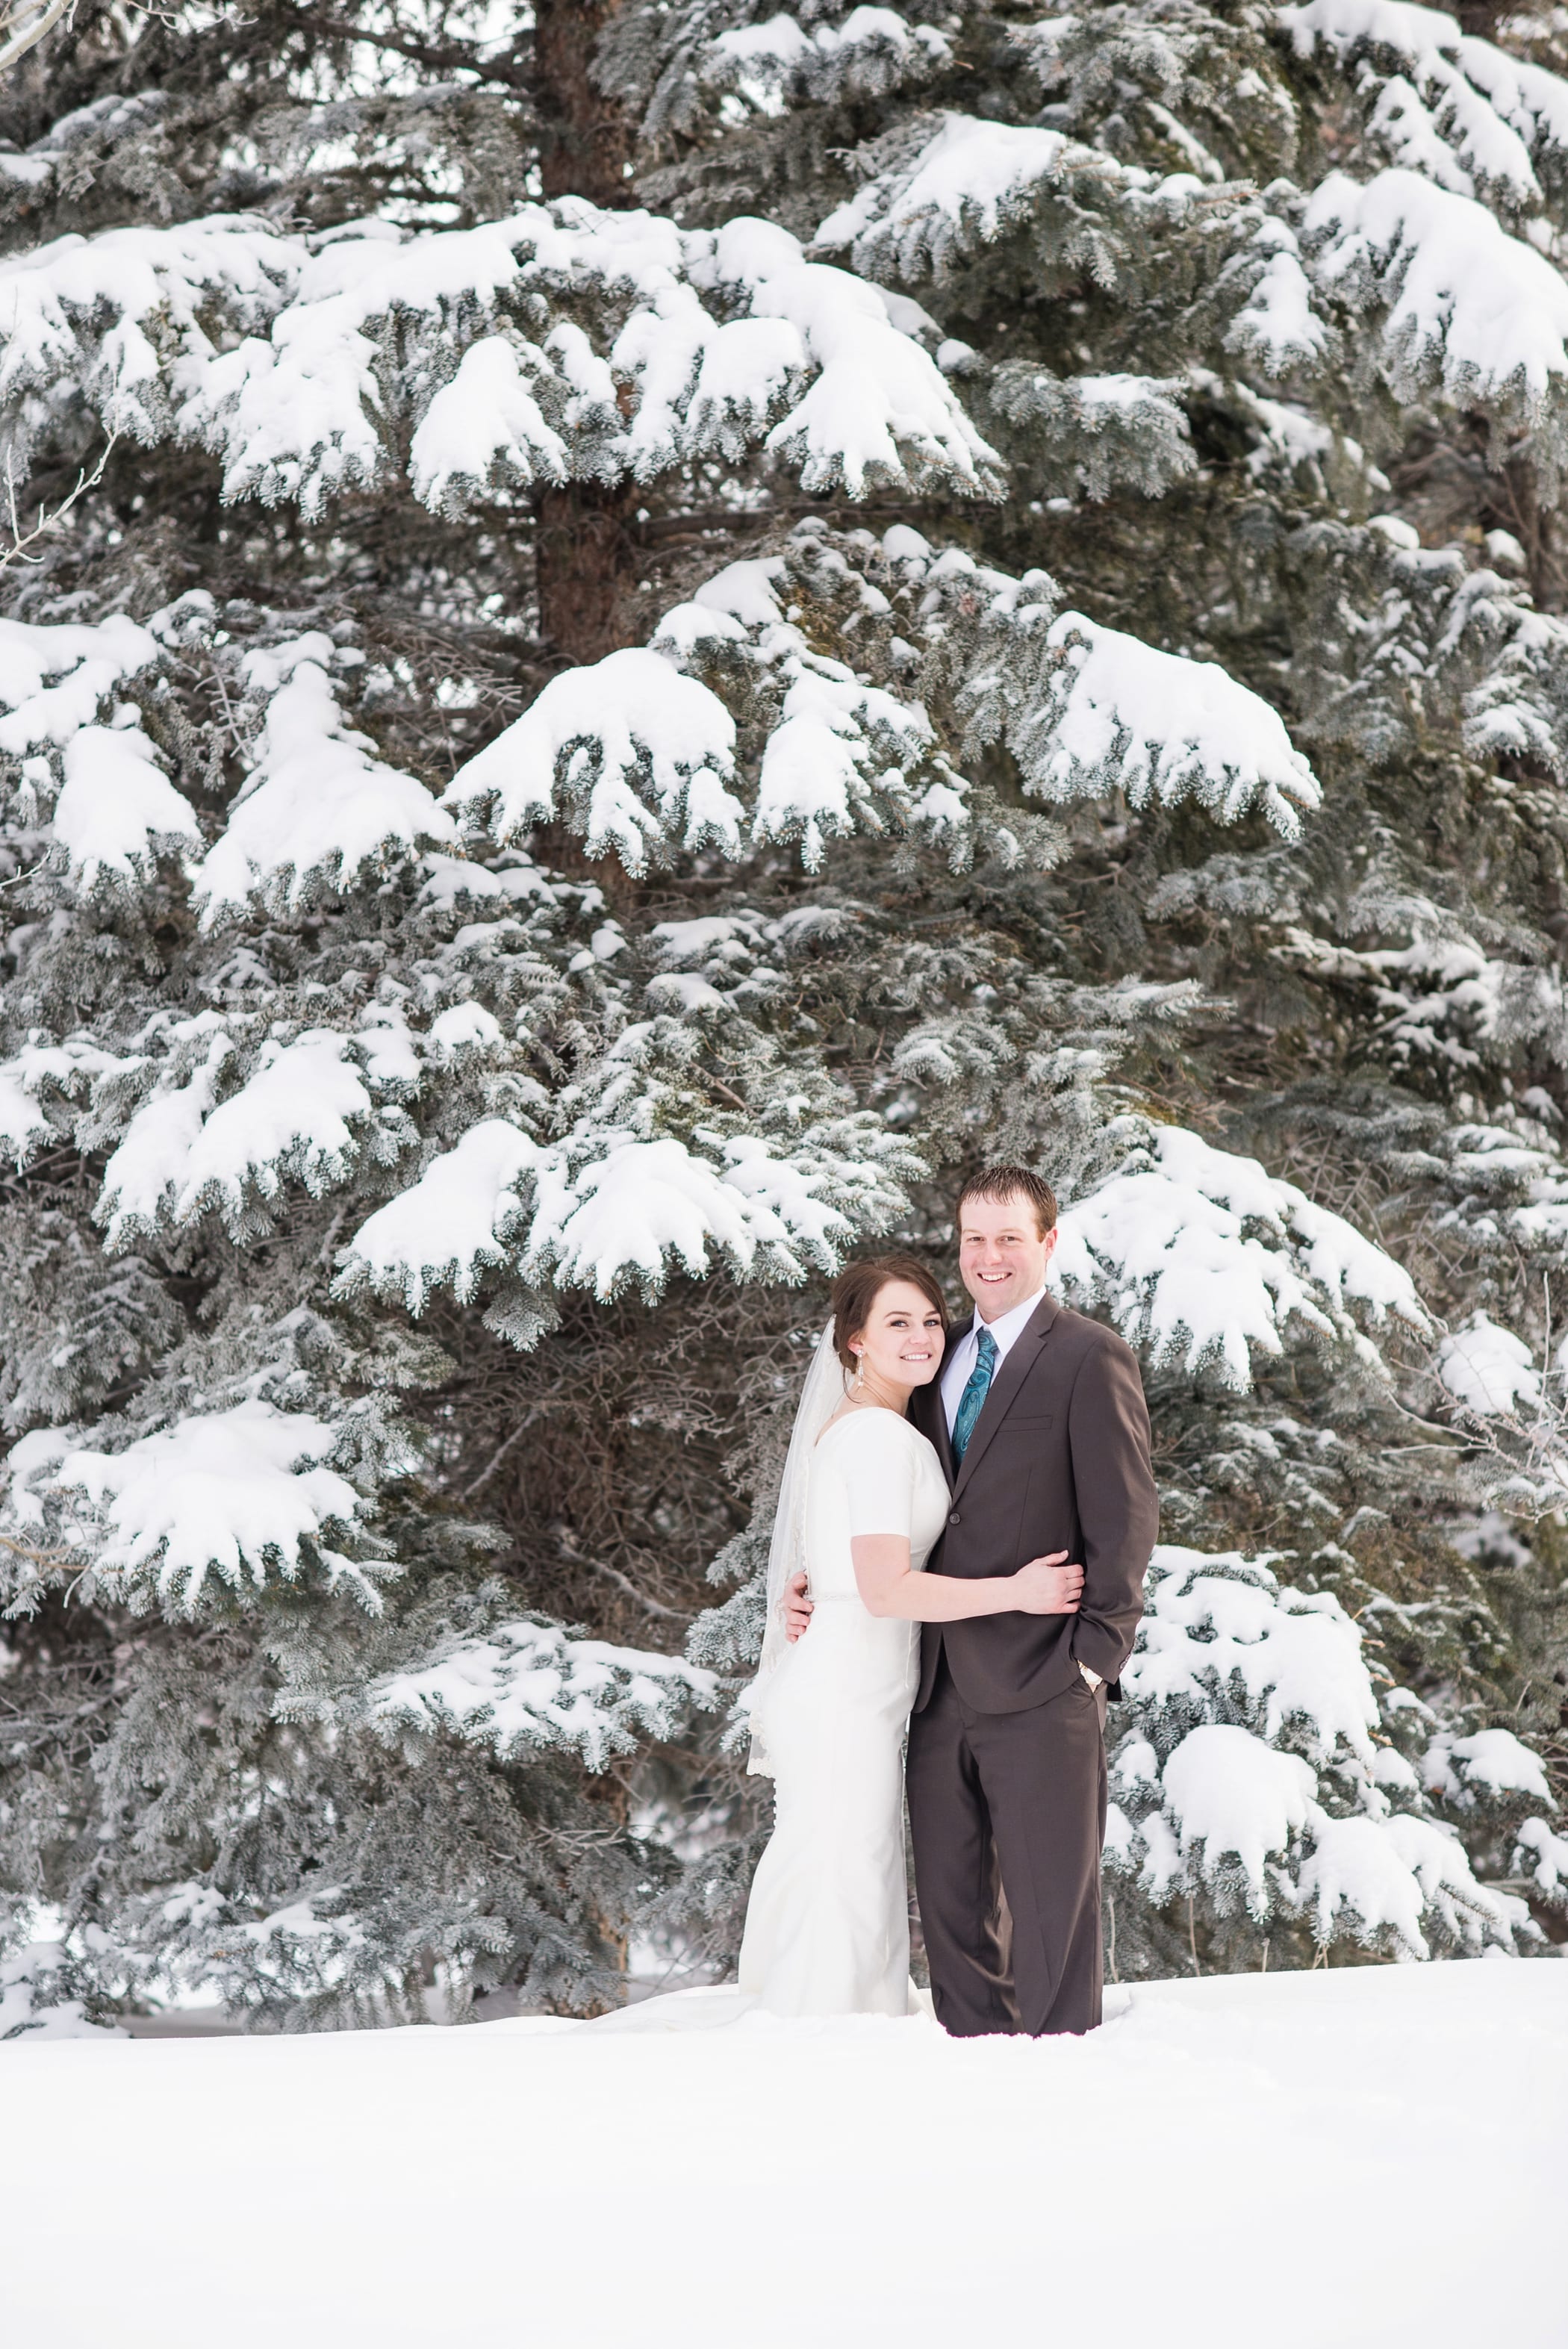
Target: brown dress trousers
point(1006, 1749)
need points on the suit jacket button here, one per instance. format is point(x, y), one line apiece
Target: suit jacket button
point(955, 1519)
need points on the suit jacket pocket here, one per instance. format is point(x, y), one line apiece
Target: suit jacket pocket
point(1030, 1422)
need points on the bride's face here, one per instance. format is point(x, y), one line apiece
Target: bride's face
point(900, 1345)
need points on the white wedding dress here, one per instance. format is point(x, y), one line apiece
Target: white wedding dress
point(826, 1928)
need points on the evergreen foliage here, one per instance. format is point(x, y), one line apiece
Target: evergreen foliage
point(646, 636)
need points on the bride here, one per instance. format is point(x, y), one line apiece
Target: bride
point(862, 1505)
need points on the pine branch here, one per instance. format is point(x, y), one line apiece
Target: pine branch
point(439, 56)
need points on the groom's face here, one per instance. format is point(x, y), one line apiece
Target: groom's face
point(1002, 1253)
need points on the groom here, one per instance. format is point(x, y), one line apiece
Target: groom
point(1038, 1418)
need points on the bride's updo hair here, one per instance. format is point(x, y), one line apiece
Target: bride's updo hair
point(860, 1284)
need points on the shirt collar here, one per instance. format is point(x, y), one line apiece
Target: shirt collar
point(1007, 1326)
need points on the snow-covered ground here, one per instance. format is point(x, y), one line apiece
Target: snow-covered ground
point(1371, 2155)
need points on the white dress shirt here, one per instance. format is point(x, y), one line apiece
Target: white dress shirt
point(1006, 1331)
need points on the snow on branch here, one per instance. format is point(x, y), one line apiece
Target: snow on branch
point(1483, 1768)
point(1088, 710)
point(1205, 1261)
point(1119, 715)
point(54, 679)
point(43, 1074)
point(1531, 101)
point(1085, 710)
point(242, 1495)
point(524, 1687)
point(450, 1226)
point(838, 742)
point(1542, 1856)
point(1510, 1402)
point(625, 1215)
point(603, 1210)
point(1442, 641)
point(1518, 709)
point(1092, 434)
point(963, 186)
point(318, 809)
point(873, 50)
point(1457, 109)
point(634, 753)
point(306, 362)
point(839, 753)
point(1460, 306)
point(318, 812)
point(117, 811)
point(1257, 1770)
point(24, 1126)
point(486, 426)
point(641, 758)
point(185, 1150)
point(1292, 1658)
point(738, 724)
point(1398, 1880)
point(878, 409)
point(36, 1981)
point(1275, 325)
point(1487, 1369)
point(23, 24)
point(122, 318)
point(951, 187)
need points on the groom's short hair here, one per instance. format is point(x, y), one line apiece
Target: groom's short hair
point(999, 1184)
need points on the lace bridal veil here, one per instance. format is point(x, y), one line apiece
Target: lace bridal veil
point(819, 1399)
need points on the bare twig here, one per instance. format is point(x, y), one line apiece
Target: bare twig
point(46, 524)
point(623, 1582)
point(230, 721)
point(437, 56)
point(35, 1557)
point(24, 23)
point(498, 1455)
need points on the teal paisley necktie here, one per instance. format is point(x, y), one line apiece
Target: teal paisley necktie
point(975, 1394)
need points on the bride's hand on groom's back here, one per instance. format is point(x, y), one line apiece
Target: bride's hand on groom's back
point(1049, 1586)
point(796, 1608)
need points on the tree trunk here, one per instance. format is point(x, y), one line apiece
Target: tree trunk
point(586, 146)
point(585, 567)
point(584, 560)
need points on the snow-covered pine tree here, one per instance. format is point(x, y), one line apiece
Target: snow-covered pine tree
point(629, 641)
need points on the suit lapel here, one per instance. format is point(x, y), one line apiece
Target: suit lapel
point(1004, 1386)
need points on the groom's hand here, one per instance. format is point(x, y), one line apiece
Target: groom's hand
point(1049, 1586)
point(796, 1608)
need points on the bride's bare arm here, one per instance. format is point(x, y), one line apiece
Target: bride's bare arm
point(1046, 1586)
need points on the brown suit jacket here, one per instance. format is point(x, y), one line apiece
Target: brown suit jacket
point(1058, 1460)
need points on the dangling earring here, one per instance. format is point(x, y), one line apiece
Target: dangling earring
point(858, 1381)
